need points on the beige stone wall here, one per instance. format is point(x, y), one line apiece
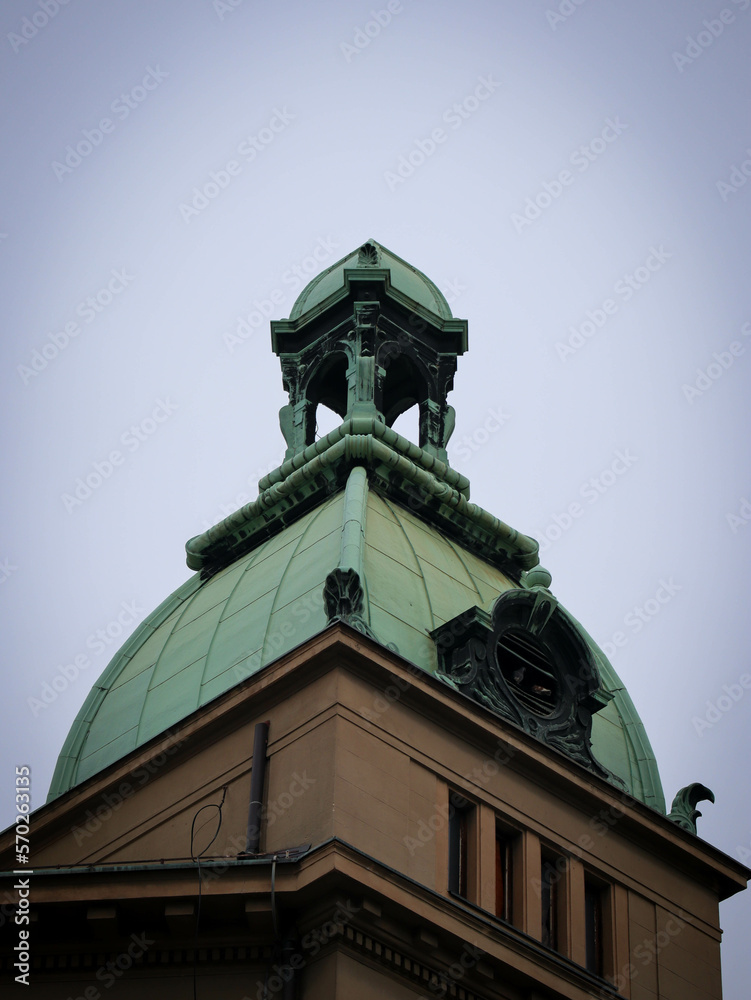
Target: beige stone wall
point(362, 750)
point(339, 975)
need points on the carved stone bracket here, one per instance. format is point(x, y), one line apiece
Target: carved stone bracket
point(343, 597)
point(683, 812)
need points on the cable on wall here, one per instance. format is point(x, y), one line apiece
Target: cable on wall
point(197, 858)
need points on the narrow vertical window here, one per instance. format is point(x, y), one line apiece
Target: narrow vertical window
point(503, 874)
point(549, 896)
point(459, 818)
point(593, 926)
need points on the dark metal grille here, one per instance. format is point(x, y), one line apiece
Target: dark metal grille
point(528, 671)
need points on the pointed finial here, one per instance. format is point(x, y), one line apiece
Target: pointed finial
point(538, 577)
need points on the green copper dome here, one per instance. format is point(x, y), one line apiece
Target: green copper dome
point(211, 634)
point(403, 279)
point(365, 527)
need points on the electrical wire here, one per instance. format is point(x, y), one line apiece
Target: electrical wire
point(274, 924)
point(197, 859)
point(273, 898)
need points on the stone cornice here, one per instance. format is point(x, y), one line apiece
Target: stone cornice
point(397, 468)
point(342, 648)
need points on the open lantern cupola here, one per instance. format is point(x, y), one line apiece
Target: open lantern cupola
point(371, 337)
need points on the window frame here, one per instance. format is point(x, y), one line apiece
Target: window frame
point(554, 867)
point(462, 812)
point(506, 873)
point(598, 921)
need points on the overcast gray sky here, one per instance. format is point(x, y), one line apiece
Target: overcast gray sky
point(574, 176)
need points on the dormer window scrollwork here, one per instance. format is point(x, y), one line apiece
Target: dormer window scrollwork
point(527, 661)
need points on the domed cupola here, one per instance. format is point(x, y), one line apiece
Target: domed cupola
point(369, 337)
point(367, 528)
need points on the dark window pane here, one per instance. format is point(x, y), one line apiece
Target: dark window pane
point(549, 894)
point(593, 927)
point(503, 874)
point(458, 844)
